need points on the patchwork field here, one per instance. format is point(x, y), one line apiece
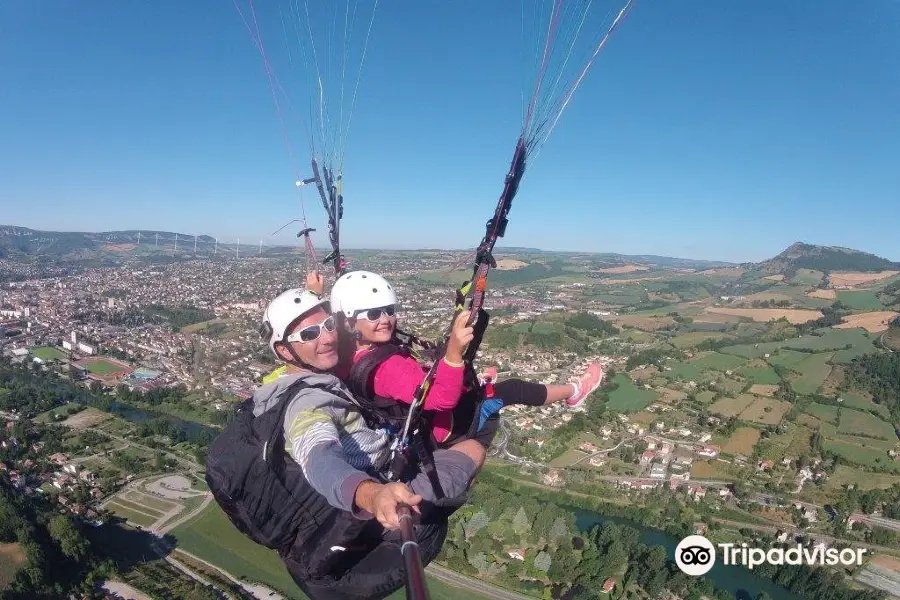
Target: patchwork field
point(823, 294)
point(812, 373)
point(12, 558)
point(872, 322)
point(766, 411)
point(794, 315)
point(860, 300)
point(844, 475)
point(732, 407)
point(764, 390)
point(855, 422)
point(807, 277)
point(629, 398)
point(856, 278)
point(741, 441)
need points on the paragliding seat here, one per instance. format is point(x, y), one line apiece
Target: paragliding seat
point(372, 569)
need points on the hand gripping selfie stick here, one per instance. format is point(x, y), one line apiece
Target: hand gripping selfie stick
point(415, 572)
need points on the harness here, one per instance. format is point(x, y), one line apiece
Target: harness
point(390, 414)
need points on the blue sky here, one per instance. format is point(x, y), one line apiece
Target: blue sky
point(706, 129)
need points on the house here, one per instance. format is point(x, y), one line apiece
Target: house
point(59, 458)
point(700, 528)
point(765, 465)
point(647, 456)
point(608, 585)
point(658, 471)
point(516, 553)
point(696, 491)
point(708, 451)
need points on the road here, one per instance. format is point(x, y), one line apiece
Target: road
point(475, 585)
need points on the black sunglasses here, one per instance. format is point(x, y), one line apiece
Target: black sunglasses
point(373, 314)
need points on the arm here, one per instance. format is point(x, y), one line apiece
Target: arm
point(399, 376)
point(314, 444)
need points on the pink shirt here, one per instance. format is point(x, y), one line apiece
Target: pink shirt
point(399, 376)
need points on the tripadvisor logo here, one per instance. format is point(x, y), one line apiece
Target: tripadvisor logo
point(696, 555)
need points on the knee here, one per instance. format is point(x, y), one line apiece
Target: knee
point(473, 450)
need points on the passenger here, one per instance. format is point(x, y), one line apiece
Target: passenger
point(369, 304)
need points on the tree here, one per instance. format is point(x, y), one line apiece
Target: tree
point(521, 522)
point(542, 561)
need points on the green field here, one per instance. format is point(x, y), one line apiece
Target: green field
point(628, 398)
point(126, 513)
point(47, 353)
point(102, 367)
point(813, 372)
point(824, 339)
point(857, 422)
point(212, 537)
point(823, 411)
point(863, 480)
point(807, 277)
point(787, 358)
point(855, 400)
point(862, 455)
point(688, 340)
point(717, 361)
point(860, 300)
point(760, 373)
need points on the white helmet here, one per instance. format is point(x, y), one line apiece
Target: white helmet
point(285, 309)
point(361, 290)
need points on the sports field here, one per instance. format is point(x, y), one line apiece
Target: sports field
point(105, 367)
point(48, 353)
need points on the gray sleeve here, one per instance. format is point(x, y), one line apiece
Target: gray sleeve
point(313, 442)
point(329, 474)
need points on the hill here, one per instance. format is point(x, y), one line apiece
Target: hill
point(825, 258)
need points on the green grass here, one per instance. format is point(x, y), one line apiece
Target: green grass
point(868, 456)
point(706, 397)
point(787, 358)
point(719, 362)
point(824, 340)
point(133, 516)
point(688, 340)
point(765, 375)
point(863, 480)
point(858, 422)
point(861, 300)
point(212, 537)
point(47, 353)
point(807, 277)
point(856, 400)
point(813, 372)
point(138, 507)
point(629, 398)
point(823, 411)
point(102, 367)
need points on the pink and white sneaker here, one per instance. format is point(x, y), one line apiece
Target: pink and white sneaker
point(488, 374)
point(584, 385)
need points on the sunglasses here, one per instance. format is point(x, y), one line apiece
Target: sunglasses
point(373, 314)
point(311, 333)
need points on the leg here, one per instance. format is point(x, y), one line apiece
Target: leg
point(456, 467)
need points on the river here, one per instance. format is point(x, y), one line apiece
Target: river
point(192, 429)
point(738, 580)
